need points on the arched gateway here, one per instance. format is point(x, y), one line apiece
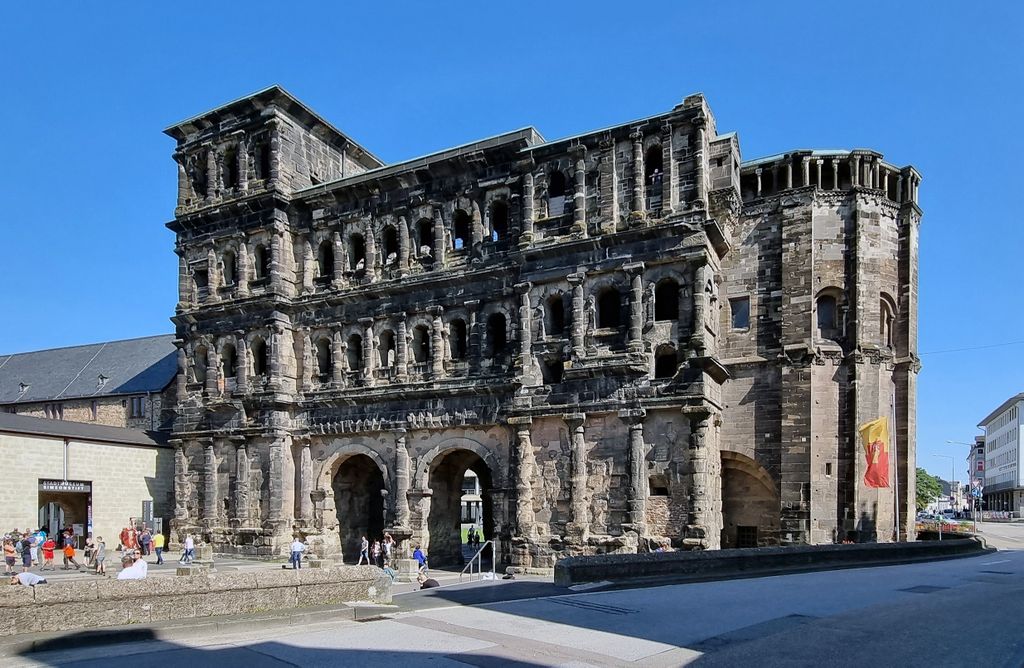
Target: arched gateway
point(358, 480)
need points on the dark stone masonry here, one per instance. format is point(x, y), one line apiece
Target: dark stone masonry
point(629, 335)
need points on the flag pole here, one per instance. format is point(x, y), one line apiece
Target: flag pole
point(896, 468)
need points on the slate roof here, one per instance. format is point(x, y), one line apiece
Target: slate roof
point(79, 431)
point(133, 366)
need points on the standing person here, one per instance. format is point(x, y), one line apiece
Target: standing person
point(421, 559)
point(375, 552)
point(389, 548)
point(123, 539)
point(364, 551)
point(297, 548)
point(158, 546)
point(69, 557)
point(90, 549)
point(145, 538)
point(25, 545)
point(100, 556)
point(10, 557)
point(189, 550)
point(40, 539)
point(49, 545)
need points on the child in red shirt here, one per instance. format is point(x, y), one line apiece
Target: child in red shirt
point(48, 547)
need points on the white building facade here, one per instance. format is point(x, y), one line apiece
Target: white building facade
point(1004, 488)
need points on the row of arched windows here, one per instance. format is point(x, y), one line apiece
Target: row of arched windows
point(829, 307)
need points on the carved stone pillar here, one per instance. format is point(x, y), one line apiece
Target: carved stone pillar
point(757, 172)
point(308, 261)
point(338, 360)
point(369, 351)
point(209, 483)
point(182, 488)
point(181, 379)
point(211, 173)
point(524, 325)
point(477, 229)
point(436, 343)
point(638, 171)
point(402, 350)
point(579, 193)
point(855, 170)
point(817, 166)
point(339, 260)
point(578, 316)
point(439, 242)
point(635, 271)
point(241, 364)
point(789, 174)
point(212, 371)
point(835, 174)
point(636, 499)
point(184, 282)
point(212, 275)
point(183, 189)
point(243, 269)
point(371, 252)
point(276, 260)
point(275, 153)
point(579, 527)
point(805, 170)
point(704, 522)
point(276, 343)
point(701, 309)
point(526, 234)
point(402, 479)
point(243, 166)
point(276, 514)
point(305, 482)
point(473, 336)
point(526, 467)
point(403, 245)
point(242, 483)
point(308, 358)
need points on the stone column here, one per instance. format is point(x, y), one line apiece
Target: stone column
point(308, 260)
point(369, 350)
point(242, 483)
point(276, 509)
point(305, 482)
point(182, 488)
point(698, 340)
point(212, 371)
point(275, 153)
point(184, 282)
point(181, 379)
point(371, 252)
point(243, 166)
point(526, 471)
point(817, 166)
point(835, 174)
point(209, 483)
point(477, 228)
point(242, 364)
point(439, 243)
point(526, 234)
point(704, 521)
point(579, 527)
point(578, 316)
point(276, 260)
point(579, 193)
point(243, 269)
point(338, 246)
point(338, 360)
point(212, 275)
point(276, 341)
point(524, 325)
point(635, 271)
point(183, 185)
point(402, 466)
point(757, 171)
point(636, 500)
point(211, 173)
point(789, 173)
point(855, 170)
point(436, 343)
point(805, 170)
point(473, 338)
point(885, 181)
point(403, 245)
point(308, 360)
point(669, 189)
point(638, 172)
point(402, 350)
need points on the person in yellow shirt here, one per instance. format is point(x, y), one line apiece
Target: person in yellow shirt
point(158, 545)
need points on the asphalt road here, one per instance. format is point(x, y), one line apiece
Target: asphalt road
point(950, 613)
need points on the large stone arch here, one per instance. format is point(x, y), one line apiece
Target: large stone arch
point(350, 481)
point(431, 458)
point(751, 506)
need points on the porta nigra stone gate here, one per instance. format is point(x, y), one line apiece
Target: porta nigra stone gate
point(629, 335)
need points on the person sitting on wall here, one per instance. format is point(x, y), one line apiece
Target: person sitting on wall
point(137, 568)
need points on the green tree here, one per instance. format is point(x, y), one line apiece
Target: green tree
point(928, 488)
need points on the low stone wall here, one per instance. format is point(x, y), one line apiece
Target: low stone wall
point(725, 564)
point(64, 606)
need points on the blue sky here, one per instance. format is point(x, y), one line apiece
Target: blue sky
point(88, 182)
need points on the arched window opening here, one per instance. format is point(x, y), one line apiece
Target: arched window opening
point(199, 362)
point(421, 344)
point(499, 220)
point(261, 261)
point(264, 161)
point(556, 193)
point(556, 315)
point(608, 305)
point(356, 252)
point(653, 176)
point(458, 339)
point(460, 230)
point(386, 341)
point(259, 357)
point(666, 363)
point(666, 300)
point(425, 237)
point(497, 336)
point(230, 262)
point(887, 316)
point(325, 259)
point(355, 352)
point(390, 243)
point(324, 359)
point(229, 168)
point(228, 362)
point(827, 317)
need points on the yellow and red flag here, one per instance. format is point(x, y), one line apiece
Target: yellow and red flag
point(875, 435)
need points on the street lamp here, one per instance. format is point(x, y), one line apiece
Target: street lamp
point(952, 469)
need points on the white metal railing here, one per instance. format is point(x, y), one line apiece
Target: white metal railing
point(478, 559)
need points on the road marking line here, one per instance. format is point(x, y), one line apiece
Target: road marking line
point(989, 563)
